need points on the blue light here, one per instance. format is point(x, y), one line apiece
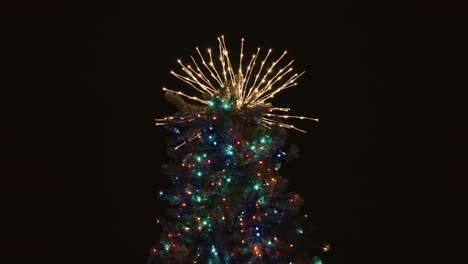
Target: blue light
point(258, 234)
point(176, 130)
point(211, 128)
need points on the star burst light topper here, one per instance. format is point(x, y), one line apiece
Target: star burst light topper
point(246, 87)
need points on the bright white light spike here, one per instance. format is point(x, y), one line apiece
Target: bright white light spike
point(213, 80)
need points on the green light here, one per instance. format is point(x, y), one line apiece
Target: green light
point(252, 147)
point(204, 155)
point(212, 103)
point(317, 260)
point(300, 231)
point(199, 173)
point(205, 223)
point(262, 200)
point(262, 140)
point(197, 198)
point(226, 106)
point(166, 246)
point(257, 186)
point(269, 243)
point(229, 149)
point(228, 179)
point(198, 158)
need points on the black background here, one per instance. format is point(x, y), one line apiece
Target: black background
point(83, 155)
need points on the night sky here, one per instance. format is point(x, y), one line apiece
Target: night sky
point(85, 154)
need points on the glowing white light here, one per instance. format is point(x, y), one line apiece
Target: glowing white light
point(249, 85)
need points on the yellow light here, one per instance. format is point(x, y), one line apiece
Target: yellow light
point(326, 248)
point(248, 92)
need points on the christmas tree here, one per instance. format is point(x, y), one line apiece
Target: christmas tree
point(228, 203)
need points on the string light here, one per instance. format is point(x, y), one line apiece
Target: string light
point(251, 86)
point(212, 169)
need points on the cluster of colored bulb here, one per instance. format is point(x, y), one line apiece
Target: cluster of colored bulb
point(220, 104)
point(241, 174)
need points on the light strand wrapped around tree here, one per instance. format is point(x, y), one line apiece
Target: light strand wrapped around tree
point(228, 203)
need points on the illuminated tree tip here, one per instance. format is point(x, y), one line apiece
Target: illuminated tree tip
point(247, 85)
